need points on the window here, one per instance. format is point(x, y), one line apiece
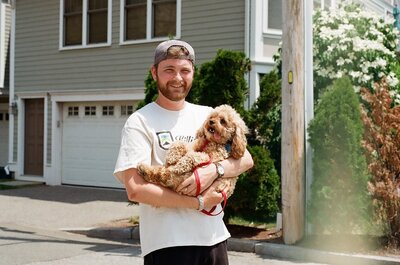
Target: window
point(73, 111)
point(273, 18)
point(4, 116)
point(72, 22)
point(126, 110)
point(108, 110)
point(144, 20)
point(164, 18)
point(90, 110)
point(323, 4)
point(97, 21)
point(135, 17)
point(85, 23)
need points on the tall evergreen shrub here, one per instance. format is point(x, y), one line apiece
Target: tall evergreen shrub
point(222, 80)
point(339, 198)
point(264, 117)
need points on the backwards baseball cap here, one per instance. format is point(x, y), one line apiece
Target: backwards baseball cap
point(161, 52)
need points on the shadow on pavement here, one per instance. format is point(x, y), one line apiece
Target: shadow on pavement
point(68, 194)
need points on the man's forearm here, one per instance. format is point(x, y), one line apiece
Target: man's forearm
point(141, 191)
point(235, 167)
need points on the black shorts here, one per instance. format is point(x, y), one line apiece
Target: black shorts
point(189, 255)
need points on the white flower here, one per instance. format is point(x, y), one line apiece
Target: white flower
point(366, 78)
point(340, 61)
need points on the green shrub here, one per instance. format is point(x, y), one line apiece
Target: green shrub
point(257, 191)
point(264, 117)
point(339, 198)
point(222, 81)
point(151, 91)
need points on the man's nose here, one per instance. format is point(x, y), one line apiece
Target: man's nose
point(178, 76)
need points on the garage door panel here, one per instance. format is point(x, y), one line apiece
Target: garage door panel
point(90, 147)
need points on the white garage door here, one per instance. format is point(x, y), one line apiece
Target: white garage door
point(4, 120)
point(90, 141)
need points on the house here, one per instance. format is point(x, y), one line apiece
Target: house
point(77, 70)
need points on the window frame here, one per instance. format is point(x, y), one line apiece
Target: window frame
point(277, 33)
point(85, 28)
point(108, 110)
point(149, 24)
point(125, 110)
point(73, 111)
point(90, 110)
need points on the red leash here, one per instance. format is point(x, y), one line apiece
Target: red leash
point(198, 185)
point(198, 188)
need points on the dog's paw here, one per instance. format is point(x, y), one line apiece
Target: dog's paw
point(142, 170)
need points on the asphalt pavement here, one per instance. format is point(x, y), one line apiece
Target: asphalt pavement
point(56, 225)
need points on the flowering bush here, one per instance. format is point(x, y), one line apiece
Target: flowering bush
point(350, 41)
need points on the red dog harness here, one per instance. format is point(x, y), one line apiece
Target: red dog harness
point(198, 186)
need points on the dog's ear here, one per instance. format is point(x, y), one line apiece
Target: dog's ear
point(200, 133)
point(239, 142)
point(200, 139)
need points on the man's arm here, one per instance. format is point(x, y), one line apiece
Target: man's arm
point(208, 174)
point(141, 191)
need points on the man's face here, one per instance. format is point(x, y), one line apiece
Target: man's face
point(174, 78)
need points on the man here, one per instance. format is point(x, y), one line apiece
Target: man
point(172, 228)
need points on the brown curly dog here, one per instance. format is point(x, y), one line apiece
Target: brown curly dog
point(222, 135)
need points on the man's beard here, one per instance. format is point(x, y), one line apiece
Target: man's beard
point(174, 94)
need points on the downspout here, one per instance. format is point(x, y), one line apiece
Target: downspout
point(11, 98)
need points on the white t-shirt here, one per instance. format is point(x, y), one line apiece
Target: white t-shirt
point(146, 137)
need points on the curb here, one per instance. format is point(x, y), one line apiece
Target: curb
point(261, 248)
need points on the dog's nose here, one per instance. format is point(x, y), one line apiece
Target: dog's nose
point(211, 122)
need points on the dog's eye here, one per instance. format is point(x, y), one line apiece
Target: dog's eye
point(222, 121)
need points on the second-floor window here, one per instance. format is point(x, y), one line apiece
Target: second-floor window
point(85, 22)
point(149, 19)
point(273, 20)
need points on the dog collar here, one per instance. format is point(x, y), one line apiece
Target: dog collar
point(228, 147)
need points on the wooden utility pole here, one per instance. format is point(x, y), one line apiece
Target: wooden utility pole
point(293, 130)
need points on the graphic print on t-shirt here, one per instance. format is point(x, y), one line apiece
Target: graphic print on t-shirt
point(164, 139)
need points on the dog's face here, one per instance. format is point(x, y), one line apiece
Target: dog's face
point(223, 126)
point(219, 127)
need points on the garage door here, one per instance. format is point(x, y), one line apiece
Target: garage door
point(90, 141)
point(4, 120)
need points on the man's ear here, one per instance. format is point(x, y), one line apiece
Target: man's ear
point(153, 70)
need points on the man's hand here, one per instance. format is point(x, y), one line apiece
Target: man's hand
point(207, 175)
point(212, 197)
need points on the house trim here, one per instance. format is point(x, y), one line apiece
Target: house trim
point(11, 93)
point(2, 43)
